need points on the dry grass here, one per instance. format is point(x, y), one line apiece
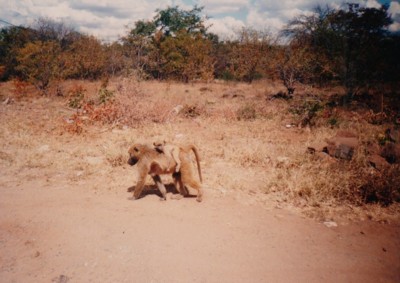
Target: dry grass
point(242, 135)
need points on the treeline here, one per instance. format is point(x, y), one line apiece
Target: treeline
point(349, 47)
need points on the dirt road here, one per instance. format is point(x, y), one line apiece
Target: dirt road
point(67, 234)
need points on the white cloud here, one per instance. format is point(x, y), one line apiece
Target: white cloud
point(263, 20)
point(373, 4)
point(394, 12)
point(107, 19)
point(226, 27)
point(103, 18)
point(223, 6)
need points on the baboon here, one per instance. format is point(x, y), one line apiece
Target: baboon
point(186, 172)
point(170, 150)
point(152, 162)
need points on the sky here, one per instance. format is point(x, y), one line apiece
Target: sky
point(110, 19)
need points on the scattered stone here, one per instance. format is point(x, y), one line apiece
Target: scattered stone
point(6, 101)
point(323, 156)
point(342, 147)
point(282, 161)
point(317, 147)
point(330, 224)
point(378, 162)
point(177, 109)
point(291, 125)
point(311, 150)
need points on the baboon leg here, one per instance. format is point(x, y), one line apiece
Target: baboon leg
point(179, 186)
point(196, 186)
point(160, 186)
point(140, 184)
point(199, 194)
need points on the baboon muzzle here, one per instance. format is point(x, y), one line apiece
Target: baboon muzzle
point(132, 161)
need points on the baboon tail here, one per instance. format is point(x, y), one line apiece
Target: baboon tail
point(196, 153)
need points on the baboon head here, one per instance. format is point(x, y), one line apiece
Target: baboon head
point(159, 146)
point(134, 154)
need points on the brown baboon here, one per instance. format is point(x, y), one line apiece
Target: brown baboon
point(152, 162)
point(186, 173)
point(170, 150)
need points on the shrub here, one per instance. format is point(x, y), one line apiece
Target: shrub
point(190, 111)
point(20, 88)
point(74, 124)
point(105, 95)
point(246, 112)
point(381, 187)
point(76, 96)
point(306, 112)
point(39, 63)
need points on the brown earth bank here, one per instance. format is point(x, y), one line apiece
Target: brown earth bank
point(66, 215)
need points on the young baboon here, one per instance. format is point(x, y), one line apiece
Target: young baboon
point(150, 161)
point(170, 150)
point(186, 173)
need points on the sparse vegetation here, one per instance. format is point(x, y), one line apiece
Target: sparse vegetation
point(325, 79)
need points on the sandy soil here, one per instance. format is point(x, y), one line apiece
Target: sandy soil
point(66, 234)
point(66, 216)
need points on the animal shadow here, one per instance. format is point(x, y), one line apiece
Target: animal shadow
point(153, 190)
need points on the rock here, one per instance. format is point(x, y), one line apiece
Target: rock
point(342, 147)
point(282, 161)
point(317, 147)
point(378, 162)
point(6, 101)
point(177, 109)
point(311, 150)
point(68, 120)
point(330, 224)
point(323, 156)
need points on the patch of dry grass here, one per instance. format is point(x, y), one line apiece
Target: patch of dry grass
point(242, 135)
